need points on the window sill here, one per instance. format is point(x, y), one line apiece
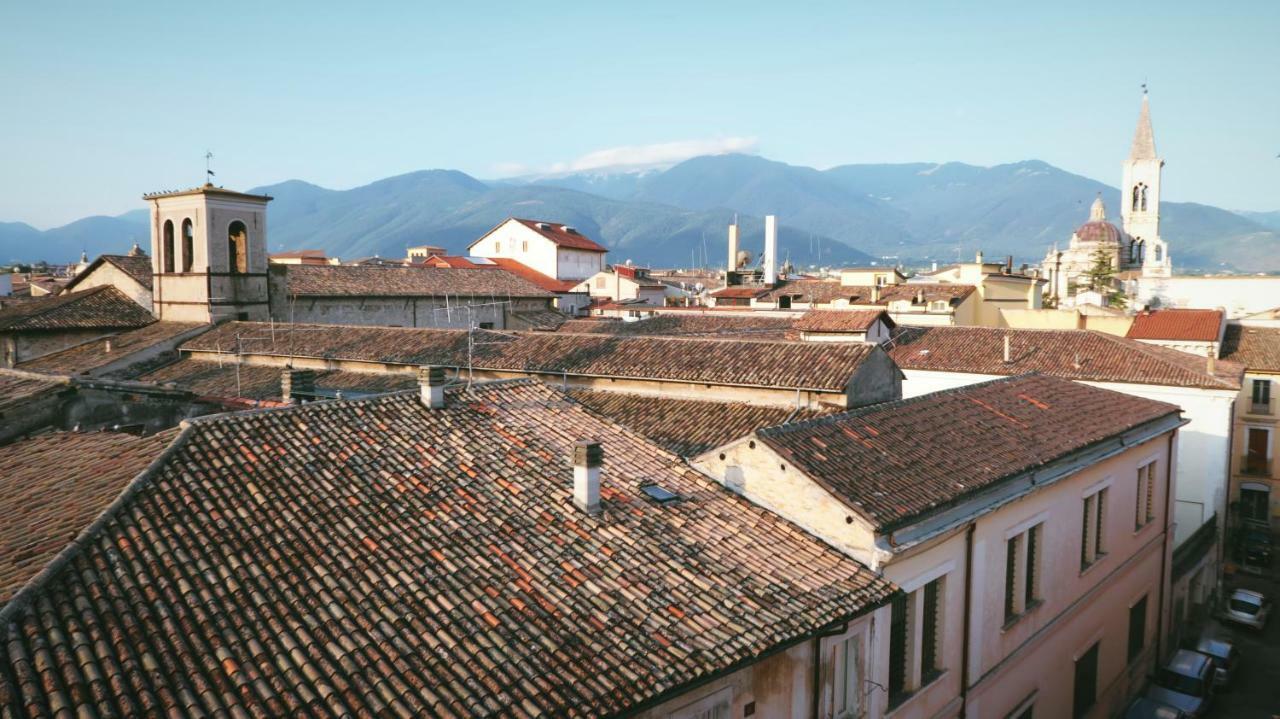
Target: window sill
point(926, 681)
point(1096, 561)
point(1149, 523)
point(1027, 611)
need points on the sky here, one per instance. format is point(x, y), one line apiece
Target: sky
point(102, 102)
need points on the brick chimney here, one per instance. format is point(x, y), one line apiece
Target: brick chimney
point(588, 456)
point(294, 382)
point(431, 381)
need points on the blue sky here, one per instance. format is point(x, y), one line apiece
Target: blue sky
point(103, 102)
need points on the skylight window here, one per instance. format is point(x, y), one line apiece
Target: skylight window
point(659, 494)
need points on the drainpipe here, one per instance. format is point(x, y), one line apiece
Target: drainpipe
point(1164, 552)
point(968, 594)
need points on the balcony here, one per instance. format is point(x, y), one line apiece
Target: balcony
point(1261, 409)
point(1254, 466)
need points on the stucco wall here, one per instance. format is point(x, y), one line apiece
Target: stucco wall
point(107, 274)
point(1240, 296)
point(514, 240)
point(22, 346)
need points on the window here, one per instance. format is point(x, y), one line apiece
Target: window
point(188, 246)
point(1257, 447)
point(915, 639)
point(600, 282)
point(715, 706)
point(1261, 394)
point(1134, 204)
point(237, 248)
point(1093, 526)
point(486, 325)
point(1137, 628)
point(524, 245)
point(1254, 500)
point(1022, 572)
point(938, 306)
point(166, 248)
point(497, 245)
point(848, 676)
point(1144, 198)
point(1144, 509)
point(1086, 684)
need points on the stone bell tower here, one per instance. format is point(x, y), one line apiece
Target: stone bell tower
point(209, 255)
point(1140, 197)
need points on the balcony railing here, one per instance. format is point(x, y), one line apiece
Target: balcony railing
point(1265, 409)
point(1256, 467)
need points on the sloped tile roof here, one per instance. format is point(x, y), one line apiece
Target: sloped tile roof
point(688, 427)
point(18, 388)
point(52, 486)
point(1176, 324)
point(375, 281)
point(1257, 348)
point(136, 266)
point(1071, 354)
point(542, 320)
point(92, 355)
point(840, 320)
point(898, 461)
point(788, 365)
point(561, 235)
point(744, 327)
point(257, 382)
point(376, 557)
point(97, 308)
point(739, 292)
point(519, 269)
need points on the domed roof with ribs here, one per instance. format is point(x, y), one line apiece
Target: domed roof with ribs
point(1099, 231)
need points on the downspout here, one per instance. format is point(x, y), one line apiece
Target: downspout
point(968, 595)
point(1164, 551)
point(816, 690)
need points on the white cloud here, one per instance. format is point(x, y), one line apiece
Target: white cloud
point(662, 153)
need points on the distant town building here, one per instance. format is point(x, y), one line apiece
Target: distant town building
point(1255, 472)
point(1198, 332)
point(130, 274)
point(303, 257)
point(556, 250)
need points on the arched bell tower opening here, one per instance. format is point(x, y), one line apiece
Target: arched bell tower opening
point(222, 242)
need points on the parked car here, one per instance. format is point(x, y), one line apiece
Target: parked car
point(1249, 608)
point(1144, 708)
point(1255, 545)
point(1186, 683)
point(1224, 655)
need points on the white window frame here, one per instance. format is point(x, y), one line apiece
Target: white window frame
point(842, 679)
point(717, 705)
point(1094, 523)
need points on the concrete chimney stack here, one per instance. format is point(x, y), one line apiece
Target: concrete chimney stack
point(296, 384)
point(1008, 356)
point(733, 245)
point(875, 293)
point(770, 249)
point(588, 456)
point(431, 382)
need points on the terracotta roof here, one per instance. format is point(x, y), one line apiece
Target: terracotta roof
point(374, 557)
point(18, 388)
point(562, 235)
point(138, 267)
point(92, 355)
point(739, 292)
point(787, 365)
point(1099, 231)
point(298, 255)
point(1177, 324)
point(1071, 354)
point(52, 487)
point(1257, 348)
point(898, 461)
point(375, 281)
point(222, 380)
point(826, 291)
point(744, 327)
point(841, 320)
point(97, 308)
point(519, 269)
point(688, 427)
point(445, 261)
point(540, 320)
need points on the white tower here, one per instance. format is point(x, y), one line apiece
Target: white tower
point(1140, 198)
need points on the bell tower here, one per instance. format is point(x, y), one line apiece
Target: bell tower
point(1140, 197)
point(208, 255)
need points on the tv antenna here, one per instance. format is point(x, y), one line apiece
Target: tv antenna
point(208, 171)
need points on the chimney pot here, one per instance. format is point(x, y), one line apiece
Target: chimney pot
point(431, 382)
point(588, 456)
point(107, 348)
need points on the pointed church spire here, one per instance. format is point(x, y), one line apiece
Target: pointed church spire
point(1144, 141)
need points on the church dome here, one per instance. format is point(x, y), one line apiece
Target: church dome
point(1099, 232)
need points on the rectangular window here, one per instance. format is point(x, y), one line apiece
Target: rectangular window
point(1137, 628)
point(1261, 392)
point(497, 245)
point(1086, 683)
point(1144, 509)
point(524, 246)
point(1022, 573)
point(848, 673)
point(897, 649)
point(930, 638)
point(1093, 528)
point(915, 639)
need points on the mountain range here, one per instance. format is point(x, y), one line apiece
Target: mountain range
point(910, 213)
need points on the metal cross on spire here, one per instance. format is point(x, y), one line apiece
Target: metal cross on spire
point(208, 171)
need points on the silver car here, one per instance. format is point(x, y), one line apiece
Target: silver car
point(1224, 655)
point(1247, 607)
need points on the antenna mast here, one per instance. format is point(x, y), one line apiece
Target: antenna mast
point(208, 170)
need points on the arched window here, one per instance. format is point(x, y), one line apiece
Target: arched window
point(1144, 198)
point(238, 247)
point(1135, 197)
point(188, 245)
point(166, 247)
point(1159, 254)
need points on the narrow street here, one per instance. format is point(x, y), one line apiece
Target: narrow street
point(1255, 691)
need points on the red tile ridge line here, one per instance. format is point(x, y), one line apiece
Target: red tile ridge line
point(19, 600)
point(995, 411)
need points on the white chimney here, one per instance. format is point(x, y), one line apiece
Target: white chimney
point(733, 245)
point(1007, 354)
point(875, 293)
point(431, 382)
point(588, 455)
point(770, 249)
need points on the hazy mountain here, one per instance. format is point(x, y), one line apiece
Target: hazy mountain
point(916, 212)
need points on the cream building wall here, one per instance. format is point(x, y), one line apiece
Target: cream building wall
point(1265, 419)
point(1239, 296)
point(109, 275)
point(516, 241)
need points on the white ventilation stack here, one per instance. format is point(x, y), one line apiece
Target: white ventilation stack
point(588, 455)
point(770, 249)
point(733, 245)
point(431, 382)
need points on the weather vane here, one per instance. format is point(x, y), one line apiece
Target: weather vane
point(208, 172)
